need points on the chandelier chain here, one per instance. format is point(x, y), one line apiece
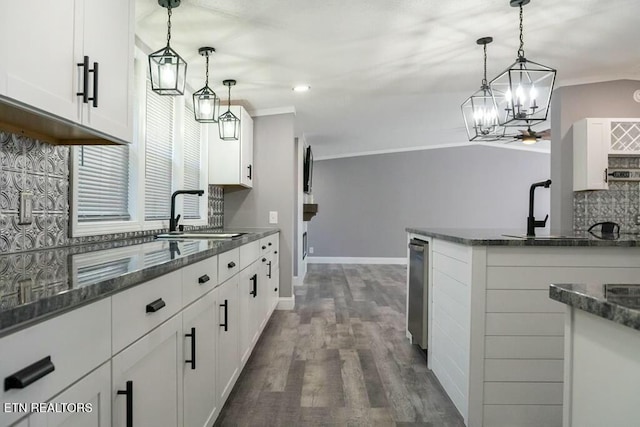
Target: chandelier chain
point(168, 25)
point(206, 80)
point(521, 49)
point(484, 80)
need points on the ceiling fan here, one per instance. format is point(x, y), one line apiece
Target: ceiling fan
point(530, 136)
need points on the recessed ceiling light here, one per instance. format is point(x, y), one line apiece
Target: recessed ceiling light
point(301, 88)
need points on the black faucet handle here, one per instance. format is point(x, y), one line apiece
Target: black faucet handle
point(542, 223)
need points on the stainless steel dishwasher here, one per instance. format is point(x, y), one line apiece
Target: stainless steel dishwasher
point(418, 289)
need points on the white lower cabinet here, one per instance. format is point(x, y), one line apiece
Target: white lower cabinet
point(199, 336)
point(147, 379)
point(228, 350)
point(85, 404)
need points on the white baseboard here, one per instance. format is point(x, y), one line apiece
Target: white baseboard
point(286, 303)
point(356, 260)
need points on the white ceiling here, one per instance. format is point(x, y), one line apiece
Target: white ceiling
point(387, 74)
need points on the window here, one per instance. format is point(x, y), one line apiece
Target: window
point(158, 171)
point(191, 150)
point(118, 189)
point(103, 183)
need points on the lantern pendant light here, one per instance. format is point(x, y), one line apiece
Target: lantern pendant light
point(228, 123)
point(206, 103)
point(168, 69)
point(522, 92)
point(479, 110)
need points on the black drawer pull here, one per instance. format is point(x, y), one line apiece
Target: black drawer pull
point(193, 348)
point(231, 264)
point(156, 305)
point(30, 374)
point(225, 325)
point(269, 243)
point(275, 252)
point(269, 273)
point(264, 247)
point(85, 80)
point(275, 289)
point(129, 393)
point(254, 279)
point(264, 259)
point(203, 279)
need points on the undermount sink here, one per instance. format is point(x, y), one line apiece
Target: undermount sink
point(179, 235)
point(545, 237)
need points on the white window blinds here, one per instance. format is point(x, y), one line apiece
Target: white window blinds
point(192, 161)
point(103, 183)
point(158, 155)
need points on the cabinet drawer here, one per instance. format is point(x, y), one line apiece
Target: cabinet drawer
point(198, 279)
point(228, 264)
point(249, 253)
point(138, 310)
point(76, 342)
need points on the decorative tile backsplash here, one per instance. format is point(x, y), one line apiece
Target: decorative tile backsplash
point(620, 203)
point(43, 169)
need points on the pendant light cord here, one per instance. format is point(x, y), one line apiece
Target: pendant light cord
point(229, 105)
point(206, 80)
point(521, 49)
point(168, 24)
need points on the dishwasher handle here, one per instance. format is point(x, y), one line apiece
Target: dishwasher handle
point(416, 248)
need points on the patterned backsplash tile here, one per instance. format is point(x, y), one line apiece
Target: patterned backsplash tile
point(43, 169)
point(620, 203)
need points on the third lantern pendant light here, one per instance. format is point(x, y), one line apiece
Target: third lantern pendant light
point(205, 101)
point(168, 69)
point(228, 123)
point(522, 92)
point(479, 110)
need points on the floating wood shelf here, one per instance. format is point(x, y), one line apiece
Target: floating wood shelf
point(309, 210)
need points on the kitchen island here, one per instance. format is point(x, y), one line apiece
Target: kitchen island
point(602, 348)
point(495, 338)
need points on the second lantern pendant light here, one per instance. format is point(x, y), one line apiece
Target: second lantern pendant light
point(206, 103)
point(228, 123)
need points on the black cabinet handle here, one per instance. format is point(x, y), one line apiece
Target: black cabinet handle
point(231, 264)
point(30, 374)
point(94, 98)
point(269, 243)
point(275, 252)
point(254, 279)
point(264, 247)
point(269, 273)
point(192, 335)
point(203, 279)
point(264, 259)
point(156, 305)
point(275, 289)
point(226, 315)
point(85, 80)
point(129, 393)
point(249, 176)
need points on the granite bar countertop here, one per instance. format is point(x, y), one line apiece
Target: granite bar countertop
point(619, 303)
point(35, 285)
point(493, 237)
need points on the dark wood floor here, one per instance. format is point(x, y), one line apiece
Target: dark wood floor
point(340, 358)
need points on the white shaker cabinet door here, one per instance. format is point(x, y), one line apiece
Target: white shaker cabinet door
point(39, 55)
point(228, 338)
point(147, 379)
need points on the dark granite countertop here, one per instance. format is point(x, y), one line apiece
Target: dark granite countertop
point(619, 303)
point(493, 237)
point(35, 285)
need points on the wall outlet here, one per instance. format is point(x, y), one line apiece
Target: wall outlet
point(310, 249)
point(26, 208)
point(273, 217)
point(637, 219)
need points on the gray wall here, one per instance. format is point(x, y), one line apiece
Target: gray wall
point(365, 203)
point(570, 104)
point(274, 159)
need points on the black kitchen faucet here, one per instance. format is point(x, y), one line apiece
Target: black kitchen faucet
point(173, 220)
point(532, 224)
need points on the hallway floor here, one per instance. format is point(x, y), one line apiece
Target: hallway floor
point(340, 358)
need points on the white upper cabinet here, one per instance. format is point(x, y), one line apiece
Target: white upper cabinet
point(231, 162)
point(594, 140)
point(40, 68)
